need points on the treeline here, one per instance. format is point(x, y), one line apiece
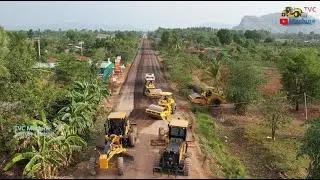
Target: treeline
point(64, 99)
point(112, 43)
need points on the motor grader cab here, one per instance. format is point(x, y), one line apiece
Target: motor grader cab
point(166, 106)
point(119, 133)
point(210, 96)
point(174, 158)
point(118, 124)
point(291, 12)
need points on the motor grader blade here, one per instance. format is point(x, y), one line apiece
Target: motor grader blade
point(157, 142)
point(194, 97)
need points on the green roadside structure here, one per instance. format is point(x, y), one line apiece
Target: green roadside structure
point(106, 68)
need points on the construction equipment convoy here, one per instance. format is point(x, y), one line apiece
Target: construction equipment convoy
point(166, 106)
point(149, 88)
point(209, 97)
point(174, 158)
point(119, 133)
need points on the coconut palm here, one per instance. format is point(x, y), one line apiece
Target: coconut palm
point(213, 71)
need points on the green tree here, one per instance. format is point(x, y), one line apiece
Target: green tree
point(269, 40)
point(274, 111)
point(253, 34)
point(30, 33)
point(243, 82)
point(213, 71)
point(4, 50)
point(300, 73)
point(225, 36)
point(311, 148)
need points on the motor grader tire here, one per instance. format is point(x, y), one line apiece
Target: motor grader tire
point(156, 162)
point(161, 151)
point(144, 91)
point(92, 166)
point(187, 164)
point(120, 166)
point(296, 14)
point(216, 102)
point(161, 133)
point(131, 139)
point(173, 108)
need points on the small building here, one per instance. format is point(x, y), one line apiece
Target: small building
point(81, 58)
point(106, 68)
point(51, 63)
point(102, 36)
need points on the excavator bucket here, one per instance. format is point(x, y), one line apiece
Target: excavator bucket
point(194, 96)
point(156, 111)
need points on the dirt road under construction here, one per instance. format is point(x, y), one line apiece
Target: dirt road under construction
point(134, 103)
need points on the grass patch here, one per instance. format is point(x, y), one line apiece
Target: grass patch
point(280, 154)
point(212, 145)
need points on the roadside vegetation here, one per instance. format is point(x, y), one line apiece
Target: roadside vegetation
point(63, 101)
point(266, 80)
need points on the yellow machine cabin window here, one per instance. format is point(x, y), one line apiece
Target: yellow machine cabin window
point(115, 126)
point(176, 132)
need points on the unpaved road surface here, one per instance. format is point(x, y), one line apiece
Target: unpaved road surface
point(132, 101)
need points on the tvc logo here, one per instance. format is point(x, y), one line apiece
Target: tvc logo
point(310, 9)
point(296, 15)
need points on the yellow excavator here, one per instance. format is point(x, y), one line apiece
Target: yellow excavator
point(209, 97)
point(119, 133)
point(150, 89)
point(166, 106)
point(174, 158)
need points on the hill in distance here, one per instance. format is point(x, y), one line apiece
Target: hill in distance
point(270, 22)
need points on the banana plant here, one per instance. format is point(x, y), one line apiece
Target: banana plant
point(78, 115)
point(44, 158)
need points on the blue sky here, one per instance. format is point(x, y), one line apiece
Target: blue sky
point(150, 14)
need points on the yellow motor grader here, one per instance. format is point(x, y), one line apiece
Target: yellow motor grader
point(174, 158)
point(209, 97)
point(149, 89)
point(119, 133)
point(166, 106)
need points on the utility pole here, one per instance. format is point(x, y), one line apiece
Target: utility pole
point(38, 39)
point(81, 42)
point(305, 105)
point(81, 49)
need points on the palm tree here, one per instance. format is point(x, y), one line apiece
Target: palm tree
point(213, 71)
